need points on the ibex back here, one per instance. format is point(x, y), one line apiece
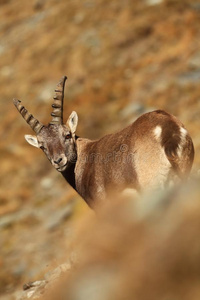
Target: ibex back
point(148, 154)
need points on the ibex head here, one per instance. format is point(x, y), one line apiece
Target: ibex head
point(57, 140)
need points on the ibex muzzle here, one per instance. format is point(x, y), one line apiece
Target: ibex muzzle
point(148, 154)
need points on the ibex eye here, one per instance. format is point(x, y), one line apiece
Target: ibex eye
point(68, 136)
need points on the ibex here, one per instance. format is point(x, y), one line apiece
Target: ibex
point(147, 154)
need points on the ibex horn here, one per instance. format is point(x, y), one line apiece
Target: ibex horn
point(57, 114)
point(33, 122)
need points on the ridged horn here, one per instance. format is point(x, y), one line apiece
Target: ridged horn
point(57, 114)
point(33, 122)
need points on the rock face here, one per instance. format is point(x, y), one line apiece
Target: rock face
point(34, 290)
point(151, 243)
point(122, 58)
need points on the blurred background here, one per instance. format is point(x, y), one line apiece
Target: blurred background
point(122, 58)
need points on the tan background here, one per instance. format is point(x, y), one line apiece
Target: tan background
point(122, 58)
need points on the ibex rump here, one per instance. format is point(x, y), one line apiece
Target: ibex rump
point(147, 154)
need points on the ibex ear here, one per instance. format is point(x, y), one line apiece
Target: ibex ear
point(32, 140)
point(72, 122)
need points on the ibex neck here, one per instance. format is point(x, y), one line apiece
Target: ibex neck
point(69, 175)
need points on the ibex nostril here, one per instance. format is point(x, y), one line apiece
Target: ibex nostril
point(58, 161)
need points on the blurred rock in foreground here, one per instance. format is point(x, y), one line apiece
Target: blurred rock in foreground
point(146, 249)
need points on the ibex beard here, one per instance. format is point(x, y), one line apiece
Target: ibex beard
point(150, 153)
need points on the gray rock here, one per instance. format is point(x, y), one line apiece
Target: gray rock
point(55, 274)
point(195, 60)
point(189, 77)
point(132, 109)
point(153, 2)
point(33, 290)
point(195, 6)
point(13, 218)
point(57, 217)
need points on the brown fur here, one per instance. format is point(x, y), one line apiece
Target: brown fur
point(102, 165)
point(144, 156)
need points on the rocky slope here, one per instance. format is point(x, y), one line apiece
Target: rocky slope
point(122, 58)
